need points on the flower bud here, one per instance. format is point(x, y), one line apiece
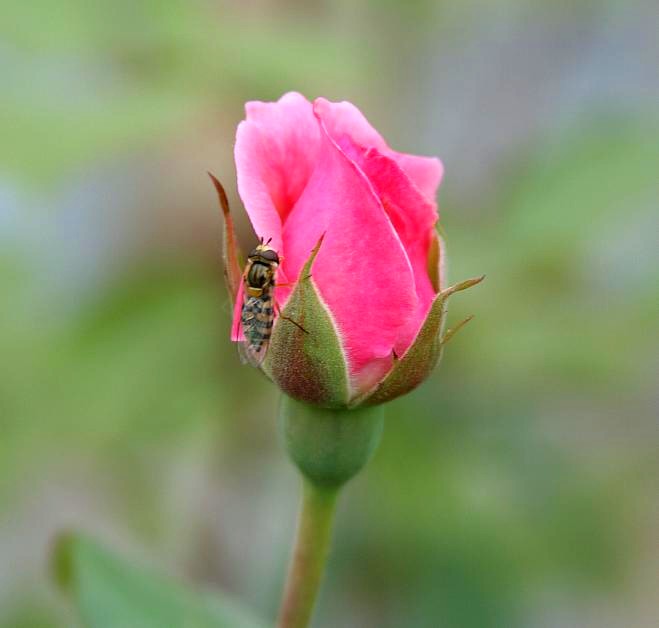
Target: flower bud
point(358, 286)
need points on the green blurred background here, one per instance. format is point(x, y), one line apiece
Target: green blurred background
point(516, 488)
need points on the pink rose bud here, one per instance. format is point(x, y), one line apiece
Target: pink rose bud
point(360, 293)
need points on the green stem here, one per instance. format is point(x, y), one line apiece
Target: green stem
point(329, 446)
point(312, 541)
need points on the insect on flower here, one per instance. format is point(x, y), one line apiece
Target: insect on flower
point(258, 309)
point(334, 182)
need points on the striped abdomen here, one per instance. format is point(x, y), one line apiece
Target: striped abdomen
point(257, 318)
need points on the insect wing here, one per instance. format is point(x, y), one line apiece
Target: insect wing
point(252, 355)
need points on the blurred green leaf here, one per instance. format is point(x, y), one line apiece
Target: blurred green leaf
point(111, 593)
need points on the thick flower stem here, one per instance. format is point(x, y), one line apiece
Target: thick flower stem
point(312, 541)
point(329, 446)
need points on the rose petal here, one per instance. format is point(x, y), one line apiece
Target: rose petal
point(412, 216)
point(426, 172)
point(343, 118)
point(237, 334)
point(362, 271)
point(275, 153)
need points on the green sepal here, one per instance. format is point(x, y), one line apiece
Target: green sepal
point(449, 333)
point(230, 250)
point(418, 361)
point(305, 358)
point(436, 256)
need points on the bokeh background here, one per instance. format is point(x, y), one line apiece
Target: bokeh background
point(517, 488)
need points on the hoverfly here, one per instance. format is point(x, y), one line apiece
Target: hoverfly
point(258, 309)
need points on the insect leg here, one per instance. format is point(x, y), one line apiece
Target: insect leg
point(291, 284)
point(290, 320)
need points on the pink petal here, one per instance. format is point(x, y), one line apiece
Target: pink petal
point(362, 271)
point(237, 334)
point(426, 172)
point(275, 153)
point(344, 119)
point(412, 216)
